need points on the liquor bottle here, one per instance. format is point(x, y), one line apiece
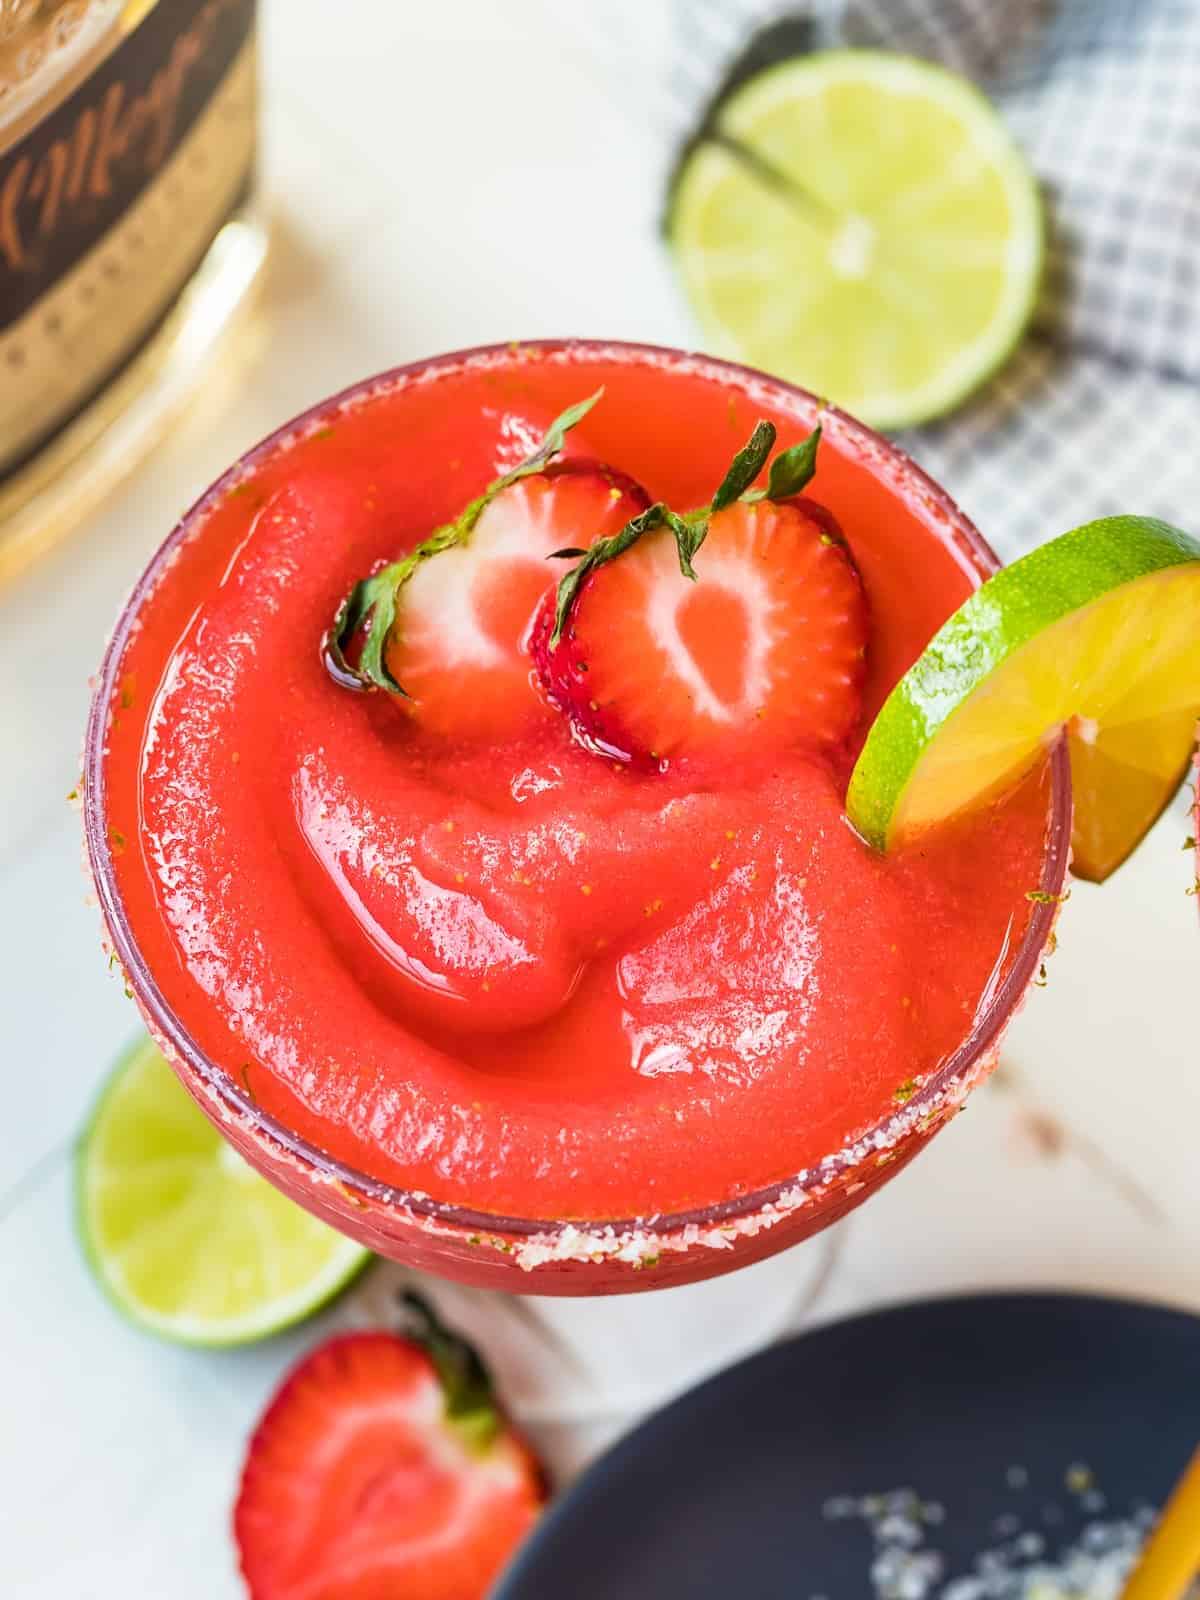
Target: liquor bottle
point(128, 235)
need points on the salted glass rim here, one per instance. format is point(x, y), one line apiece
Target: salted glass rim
point(958, 532)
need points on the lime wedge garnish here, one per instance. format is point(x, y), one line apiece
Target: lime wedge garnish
point(186, 1239)
point(1097, 633)
point(863, 224)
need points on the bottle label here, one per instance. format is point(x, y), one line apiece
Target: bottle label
point(108, 204)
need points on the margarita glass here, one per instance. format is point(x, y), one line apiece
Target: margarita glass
point(919, 557)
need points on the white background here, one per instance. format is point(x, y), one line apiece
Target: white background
point(442, 176)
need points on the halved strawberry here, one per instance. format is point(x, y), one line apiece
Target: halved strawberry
point(766, 648)
point(445, 628)
point(459, 642)
point(382, 1468)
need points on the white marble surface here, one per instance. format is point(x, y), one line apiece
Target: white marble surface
point(443, 176)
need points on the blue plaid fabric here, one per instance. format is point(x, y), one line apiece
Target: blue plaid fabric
point(1099, 409)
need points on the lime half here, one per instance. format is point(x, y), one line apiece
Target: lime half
point(185, 1238)
point(1097, 633)
point(864, 225)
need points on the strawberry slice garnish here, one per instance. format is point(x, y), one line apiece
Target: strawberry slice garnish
point(459, 643)
point(380, 1469)
point(767, 649)
point(445, 629)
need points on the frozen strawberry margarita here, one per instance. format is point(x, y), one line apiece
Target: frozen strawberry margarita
point(465, 795)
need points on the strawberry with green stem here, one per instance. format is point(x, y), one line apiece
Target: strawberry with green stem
point(444, 629)
point(383, 1467)
point(766, 649)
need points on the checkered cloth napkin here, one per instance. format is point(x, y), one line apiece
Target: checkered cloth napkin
point(1099, 409)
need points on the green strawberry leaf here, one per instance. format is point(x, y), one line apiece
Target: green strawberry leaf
point(792, 469)
point(745, 466)
point(373, 599)
point(371, 604)
point(553, 440)
point(690, 530)
point(466, 1382)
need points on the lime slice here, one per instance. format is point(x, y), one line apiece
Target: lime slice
point(185, 1238)
point(863, 224)
point(1097, 633)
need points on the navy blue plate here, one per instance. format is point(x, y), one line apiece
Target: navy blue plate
point(982, 1404)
